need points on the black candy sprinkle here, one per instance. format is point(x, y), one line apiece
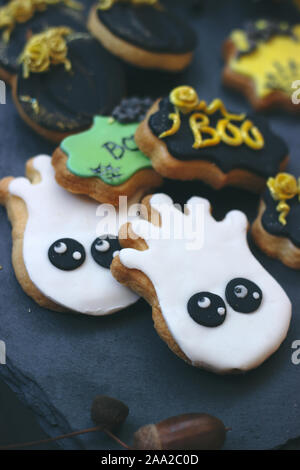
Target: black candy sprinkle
point(132, 110)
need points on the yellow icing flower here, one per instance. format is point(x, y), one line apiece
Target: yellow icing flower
point(57, 47)
point(185, 98)
point(283, 186)
point(20, 11)
point(44, 49)
point(36, 58)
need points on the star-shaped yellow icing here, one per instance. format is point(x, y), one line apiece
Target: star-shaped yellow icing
point(273, 64)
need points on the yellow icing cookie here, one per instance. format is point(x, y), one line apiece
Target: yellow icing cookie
point(264, 61)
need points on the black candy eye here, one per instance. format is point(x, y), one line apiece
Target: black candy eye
point(104, 248)
point(207, 309)
point(243, 296)
point(66, 254)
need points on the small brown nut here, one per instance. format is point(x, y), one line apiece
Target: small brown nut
point(193, 431)
point(108, 413)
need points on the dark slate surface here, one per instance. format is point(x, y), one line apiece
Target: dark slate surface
point(58, 362)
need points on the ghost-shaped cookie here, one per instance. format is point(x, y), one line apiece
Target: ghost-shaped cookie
point(63, 244)
point(213, 302)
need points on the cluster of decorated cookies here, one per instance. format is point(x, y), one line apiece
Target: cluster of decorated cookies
point(91, 234)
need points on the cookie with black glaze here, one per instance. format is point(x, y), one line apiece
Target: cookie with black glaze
point(187, 139)
point(38, 18)
point(104, 162)
point(276, 229)
point(64, 98)
point(144, 33)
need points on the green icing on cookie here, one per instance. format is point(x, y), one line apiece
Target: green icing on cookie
point(107, 150)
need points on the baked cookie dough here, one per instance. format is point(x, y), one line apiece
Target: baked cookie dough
point(104, 162)
point(61, 251)
point(263, 62)
point(144, 33)
point(19, 19)
point(65, 80)
point(276, 229)
point(212, 302)
point(188, 139)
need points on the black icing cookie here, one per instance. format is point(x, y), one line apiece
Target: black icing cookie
point(55, 15)
point(152, 29)
point(270, 219)
point(146, 35)
point(62, 102)
point(264, 162)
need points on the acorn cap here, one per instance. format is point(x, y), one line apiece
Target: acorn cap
point(147, 438)
point(108, 413)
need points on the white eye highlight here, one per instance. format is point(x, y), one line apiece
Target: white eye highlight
point(204, 302)
point(60, 248)
point(256, 295)
point(241, 291)
point(221, 310)
point(76, 255)
point(102, 246)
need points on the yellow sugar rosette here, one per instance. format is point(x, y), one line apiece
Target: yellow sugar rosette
point(20, 11)
point(44, 49)
point(282, 188)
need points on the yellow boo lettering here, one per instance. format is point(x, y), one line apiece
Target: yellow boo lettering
point(185, 100)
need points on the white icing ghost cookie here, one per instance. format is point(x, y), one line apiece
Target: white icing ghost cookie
point(213, 302)
point(60, 255)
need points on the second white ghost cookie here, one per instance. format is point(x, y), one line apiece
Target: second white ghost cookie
point(61, 254)
point(213, 303)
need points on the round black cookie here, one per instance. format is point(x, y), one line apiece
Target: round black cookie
point(149, 28)
point(63, 102)
point(270, 219)
point(264, 162)
point(55, 15)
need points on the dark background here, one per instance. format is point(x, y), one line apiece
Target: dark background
point(262, 408)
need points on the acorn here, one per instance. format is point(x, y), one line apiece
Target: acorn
point(108, 412)
point(193, 431)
